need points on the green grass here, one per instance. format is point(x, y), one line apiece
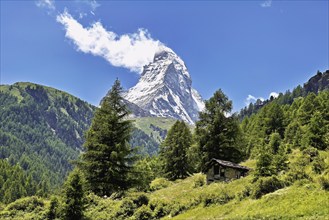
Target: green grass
point(295, 202)
point(192, 199)
point(145, 123)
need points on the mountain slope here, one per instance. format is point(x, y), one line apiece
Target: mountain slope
point(316, 84)
point(42, 129)
point(165, 89)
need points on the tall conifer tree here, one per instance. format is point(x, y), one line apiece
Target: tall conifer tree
point(107, 159)
point(218, 133)
point(174, 151)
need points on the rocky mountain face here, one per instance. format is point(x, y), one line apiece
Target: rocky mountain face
point(165, 89)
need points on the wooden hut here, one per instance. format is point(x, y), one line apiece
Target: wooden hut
point(221, 170)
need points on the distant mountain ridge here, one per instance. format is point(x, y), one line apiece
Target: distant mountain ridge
point(165, 89)
point(316, 84)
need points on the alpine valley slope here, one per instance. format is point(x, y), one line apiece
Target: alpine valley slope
point(42, 129)
point(165, 89)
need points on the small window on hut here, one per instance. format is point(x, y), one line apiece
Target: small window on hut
point(216, 170)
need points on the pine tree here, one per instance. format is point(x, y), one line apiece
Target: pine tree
point(74, 196)
point(264, 166)
point(174, 149)
point(316, 132)
point(107, 159)
point(217, 133)
point(274, 118)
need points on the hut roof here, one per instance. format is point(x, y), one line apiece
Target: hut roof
point(225, 163)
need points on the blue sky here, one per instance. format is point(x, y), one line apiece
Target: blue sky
point(246, 48)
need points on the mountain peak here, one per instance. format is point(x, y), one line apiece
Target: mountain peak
point(165, 88)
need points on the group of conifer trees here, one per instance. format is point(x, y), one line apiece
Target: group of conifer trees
point(109, 164)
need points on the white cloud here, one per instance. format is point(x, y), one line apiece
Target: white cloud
point(49, 4)
point(131, 51)
point(274, 94)
point(266, 4)
point(252, 99)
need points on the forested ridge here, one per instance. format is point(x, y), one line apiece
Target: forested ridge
point(315, 84)
point(41, 131)
point(285, 142)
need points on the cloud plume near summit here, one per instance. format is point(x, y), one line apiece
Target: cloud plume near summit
point(131, 51)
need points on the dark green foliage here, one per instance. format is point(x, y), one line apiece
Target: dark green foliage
point(41, 130)
point(316, 84)
point(53, 211)
point(296, 169)
point(215, 198)
point(143, 213)
point(264, 166)
point(307, 108)
point(293, 134)
point(145, 170)
point(140, 200)
point(159, 208)
point(173, 151)
point(74, 196)
point(127, 209)
point(146, 145)
point(303, 124)
point(273, 119)
point(27, 204)
point(15, 183)
point(218, 134)
point(275, 141)
point(324, 182)
point(318, 165)
point(107, 159)
point(159, 183)
point(317, 131)
point(266, 185)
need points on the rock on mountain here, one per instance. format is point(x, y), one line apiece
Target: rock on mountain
point(165, 89)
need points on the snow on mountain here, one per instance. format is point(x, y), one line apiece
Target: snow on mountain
point(165, 89)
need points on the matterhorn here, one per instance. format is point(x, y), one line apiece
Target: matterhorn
point(165, 89)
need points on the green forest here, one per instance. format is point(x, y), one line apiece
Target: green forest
point(112, 172)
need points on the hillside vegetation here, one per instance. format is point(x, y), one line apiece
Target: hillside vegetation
point(41, 131)
point(191, 198)
point(286, 145)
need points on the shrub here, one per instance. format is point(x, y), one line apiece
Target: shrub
point(117, 195)
point(246, 192)
point(52, 212)
point(294, 175)
point(143, 213)
point(159, 208)
point(311, 152)
point(266, 185)
point(27, 204)
point(216, 198)
point(159, 183)
point(318, 165)
point(324, 182)
point(199, 180)
point(140, 200)
point(2, 206)
point(176, 209)
point(127, 209)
